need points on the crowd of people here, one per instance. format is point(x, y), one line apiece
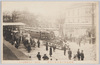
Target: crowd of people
point(16, 38)
point(12, 35)
point(79, 56)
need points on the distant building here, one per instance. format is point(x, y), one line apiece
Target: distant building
point(79, 18)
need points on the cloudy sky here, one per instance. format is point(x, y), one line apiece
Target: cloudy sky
point(44, 8)
point(48, 11)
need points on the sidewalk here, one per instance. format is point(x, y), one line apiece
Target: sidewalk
point(11, 53)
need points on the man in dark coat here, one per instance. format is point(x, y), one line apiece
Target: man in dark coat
point(28, 45)
point(46, 46)
point(78, 54)
point(29, 48)
point(50, 51)
point(45, 57)
point(69, 54)
point(17, 38)
point(39, 56)
point(38, 43)
point(12, 37)
point(82, 55)
point(65, 49)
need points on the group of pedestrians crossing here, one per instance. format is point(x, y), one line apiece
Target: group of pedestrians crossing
point(78, 56)
point(51, 47)
point(45, 57)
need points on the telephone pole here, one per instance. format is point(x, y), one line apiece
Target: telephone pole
point(93, 27)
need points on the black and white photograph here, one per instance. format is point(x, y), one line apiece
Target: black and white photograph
point(50, 32)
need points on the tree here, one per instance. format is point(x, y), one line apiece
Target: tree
point(21, 16)
point(15, 16)
point(28, 18)
point(6, 16)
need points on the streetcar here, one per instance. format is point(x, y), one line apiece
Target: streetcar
point(43, 35)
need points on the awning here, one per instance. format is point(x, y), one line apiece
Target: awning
point(17, 23)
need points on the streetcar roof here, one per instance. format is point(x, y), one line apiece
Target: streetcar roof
point(18, 23)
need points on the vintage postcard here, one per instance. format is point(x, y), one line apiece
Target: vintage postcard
point(50, 32)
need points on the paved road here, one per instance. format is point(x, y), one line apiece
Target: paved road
point(89, 51)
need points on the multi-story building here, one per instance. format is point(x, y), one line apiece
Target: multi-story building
point(79, 19)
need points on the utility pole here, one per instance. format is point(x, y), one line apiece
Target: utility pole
point(93, 27)
point(92, 15)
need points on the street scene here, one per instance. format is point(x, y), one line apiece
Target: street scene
point(50, 31)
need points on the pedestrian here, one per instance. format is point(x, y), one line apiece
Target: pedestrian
point(29, 48)
point(54, 47)
point(82, 55)
point(78, 54)
point(69, 54)
point(13, 38)
point(28, 45)
point(45, 57)
point(31, 41)
point(25, 43)
point(65, 49)
point(17, 38)
point(38, 43)
point(50, 51)
point(16, 45)
point(34, 43)
point(39, 56)
point(46, 46)
point(9, 35)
